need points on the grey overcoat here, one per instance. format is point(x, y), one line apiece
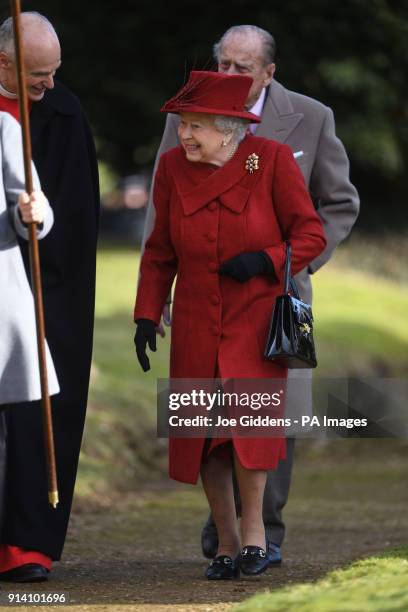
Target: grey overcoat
point(308, 127)
point(19, 372)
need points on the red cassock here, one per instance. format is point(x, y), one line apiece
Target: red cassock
point(204, 216)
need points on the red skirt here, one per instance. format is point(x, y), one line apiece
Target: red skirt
point(258, 453)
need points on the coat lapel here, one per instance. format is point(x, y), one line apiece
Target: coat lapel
point(231, 184)
point(41, 114)
point(278, 117)
point(53, 102)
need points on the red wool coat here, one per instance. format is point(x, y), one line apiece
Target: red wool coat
point(204, 216)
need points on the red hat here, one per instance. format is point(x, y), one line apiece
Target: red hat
point(213, 93)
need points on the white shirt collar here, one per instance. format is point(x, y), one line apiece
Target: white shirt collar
point(7, 94)
point(256, 109)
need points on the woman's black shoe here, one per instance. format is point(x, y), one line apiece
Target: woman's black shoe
point(223, 568)
point(253, 560)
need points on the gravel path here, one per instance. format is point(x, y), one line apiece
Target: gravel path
point(141, 551)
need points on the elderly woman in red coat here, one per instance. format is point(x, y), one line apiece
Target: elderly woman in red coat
point(221, 226)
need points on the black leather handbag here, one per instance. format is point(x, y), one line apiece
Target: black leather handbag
point(290, 339)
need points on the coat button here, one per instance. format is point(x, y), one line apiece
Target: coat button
point(211, 237)
point(212, 206)
point(215, 330)
point(212, 266)
point(214, 299)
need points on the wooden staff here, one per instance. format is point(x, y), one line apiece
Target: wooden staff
point(35, 261)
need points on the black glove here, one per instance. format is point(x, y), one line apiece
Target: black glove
point(145, 334)
point(243, 267)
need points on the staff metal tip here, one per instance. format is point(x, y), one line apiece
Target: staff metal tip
point(53, 498)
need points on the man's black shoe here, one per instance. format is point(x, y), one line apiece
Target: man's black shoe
point(31, 572)
point(209, 540)
point(274, 554)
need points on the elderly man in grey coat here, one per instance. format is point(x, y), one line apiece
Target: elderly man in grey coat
point(307, 126)
point(19, 371)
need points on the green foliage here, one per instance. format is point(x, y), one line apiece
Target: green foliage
point(125, 59)
point(377, 584)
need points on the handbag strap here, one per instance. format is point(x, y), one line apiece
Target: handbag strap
point(290, 284)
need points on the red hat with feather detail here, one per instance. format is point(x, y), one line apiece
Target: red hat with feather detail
point(213, 93)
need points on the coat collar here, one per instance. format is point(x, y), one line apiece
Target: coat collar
point(278, 116)
point(231, 183)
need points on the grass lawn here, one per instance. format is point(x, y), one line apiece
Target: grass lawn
point(376, 584)
point(361, 329)
point(361, 325)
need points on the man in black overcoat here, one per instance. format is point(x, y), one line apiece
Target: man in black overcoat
point(64, 154)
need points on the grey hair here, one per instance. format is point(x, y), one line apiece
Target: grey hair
point(267, 40)
point(7, 32)
point(237, 125)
